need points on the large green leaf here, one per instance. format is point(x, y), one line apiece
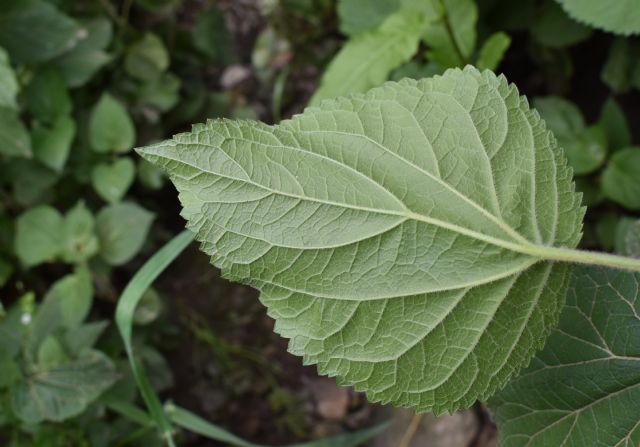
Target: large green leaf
point(392, 234)
point(366, 60)
point(583, 389)
point(14, 137)
point(39, 233)
point(619, 16)
point(64, 391)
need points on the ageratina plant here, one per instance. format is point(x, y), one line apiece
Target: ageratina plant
point(417, 242)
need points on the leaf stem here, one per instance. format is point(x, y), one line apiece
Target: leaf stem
point(586, 257)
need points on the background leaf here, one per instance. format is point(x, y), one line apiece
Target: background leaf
point(52, 144)
point(493, 51)
point(367, 60)
point(110, 126)
point(56, 32)
point(122, 229)
point(65, 391)
point(350, 217)
point(620, 178)
point(38, 235)
point(619, 17)
point(8, 83)
point(358, 16)
point(583, 388)
point(14, 137)
point(112, 180)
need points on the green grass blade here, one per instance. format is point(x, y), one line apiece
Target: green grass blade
point(124, 320)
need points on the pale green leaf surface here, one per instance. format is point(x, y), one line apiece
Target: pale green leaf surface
point(366, 60)
point(583, 389)
point(386, 231)
point(619, 16)
point(65, 391)
point(112, 180)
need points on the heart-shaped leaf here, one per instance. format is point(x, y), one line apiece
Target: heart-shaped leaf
point(583, 389)
point(112, 181)
point(396, 236)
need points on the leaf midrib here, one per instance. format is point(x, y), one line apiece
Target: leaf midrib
point(526, 249)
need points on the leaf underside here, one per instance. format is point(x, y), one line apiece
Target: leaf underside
point(584, 387)
point(385, 231)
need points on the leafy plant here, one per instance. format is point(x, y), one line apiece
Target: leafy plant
point(395, 238)
point(620, 17)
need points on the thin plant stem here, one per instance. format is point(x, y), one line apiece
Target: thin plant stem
point(411, 431)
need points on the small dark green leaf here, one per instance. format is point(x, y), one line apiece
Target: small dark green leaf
point(122, 229)
point(31, 181)
point(52, 143)
point(110, 126)
point(150, 176)
point(8, 83)
point(615, 125)
point(620, 178)
point(14, 137)
point(583, 389)
point(162, 93)
point(10, 370)
point(80, 241)
point(619, 65)
point(147, 58)
point(212, 38)
point(112, 180)
point(555, 29)
point(39, 234)
point(48, 97)
point(51, 354)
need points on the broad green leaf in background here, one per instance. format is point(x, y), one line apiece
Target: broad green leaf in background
point(110, 126)
point(122, 229)
point(583, 389)
point(147, 58)
point(48, 97)
point(80, 64)
point(9, 87)
point(14, 137)
point(80, 240)
point(39, 233)
point(585, 147)
point(627, 238)
point(619, 16)
point(392, 234)
point(615, 124)
point(162, 93)
point(34, 31)
point(366, 60)
point(212, 38)
point(493, 51)
point(65, 391)
point(450, 33)
point(112, 180)
point(52, 143)
point(358, 16)
point(553, 28)
point(620, 178)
